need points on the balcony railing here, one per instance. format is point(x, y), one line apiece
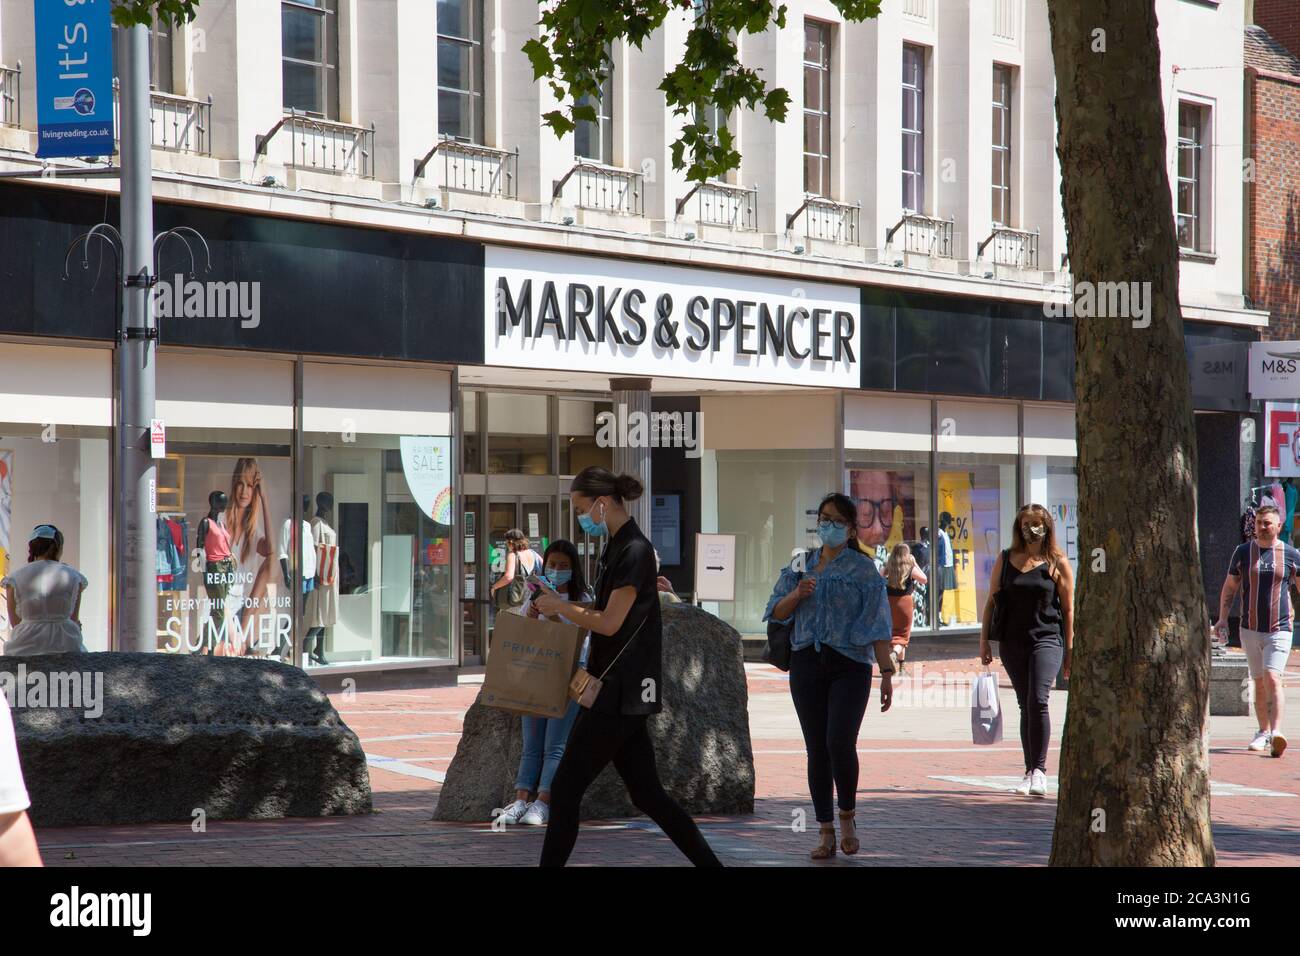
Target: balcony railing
point(827, 219)
point(924, 235)
point(1011, 247)
point(470, 168)
point(722, 204)
point(179, 124)
point(11, 95)
point(606, 188)
point(325, 145)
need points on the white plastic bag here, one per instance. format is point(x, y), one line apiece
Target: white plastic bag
point(985, 710)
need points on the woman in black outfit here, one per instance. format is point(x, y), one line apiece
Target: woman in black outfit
point(1039, 631)
point(626, 642)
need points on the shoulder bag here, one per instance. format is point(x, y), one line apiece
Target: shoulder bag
point(777, 652)
point(585, 686)
point(998, 620)
point(513, 594)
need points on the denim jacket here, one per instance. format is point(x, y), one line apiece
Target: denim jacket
point(848, 610)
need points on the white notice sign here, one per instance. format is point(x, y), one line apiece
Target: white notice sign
point(715, 567)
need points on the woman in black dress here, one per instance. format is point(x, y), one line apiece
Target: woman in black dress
point(626, 643)
point(1039, 631)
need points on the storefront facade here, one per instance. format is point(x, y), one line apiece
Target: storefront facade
point(426, 395)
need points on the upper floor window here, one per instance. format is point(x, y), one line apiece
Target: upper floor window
point(913, 128)
point(817, 107)
point(309, 46)
point(460, 69)
point(594, 140)
point(1002, 85)
point(1193, 203)
point(160, 55)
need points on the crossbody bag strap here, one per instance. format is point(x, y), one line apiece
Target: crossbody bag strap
point(624, 647)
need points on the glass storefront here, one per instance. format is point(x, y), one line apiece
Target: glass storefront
point(892, 491)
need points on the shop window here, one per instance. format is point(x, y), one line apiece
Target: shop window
point(892, 492)
point(976, 508)
point(519, 434)
point(471, 440)
point(579, 430)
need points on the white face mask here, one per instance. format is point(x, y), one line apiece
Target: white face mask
point(1037, 531)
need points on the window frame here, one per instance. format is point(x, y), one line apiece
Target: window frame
point(1004, 81)
point(1200, 180)
point(475, 94)
point(327, 70)
point(823, 69)
point(915, 135)
point(602, 129)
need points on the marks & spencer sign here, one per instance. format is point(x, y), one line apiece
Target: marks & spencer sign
point(559, 311)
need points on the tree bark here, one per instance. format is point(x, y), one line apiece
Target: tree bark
point(1134, 743)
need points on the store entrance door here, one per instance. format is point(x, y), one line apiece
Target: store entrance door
point(531, 515)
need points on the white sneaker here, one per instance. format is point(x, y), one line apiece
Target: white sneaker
point(1038, 784)
point(537, 815)
point(1261, 741)
point(512, 813)
point(1025, 783)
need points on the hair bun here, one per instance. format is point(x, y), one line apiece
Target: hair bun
point(628, 487)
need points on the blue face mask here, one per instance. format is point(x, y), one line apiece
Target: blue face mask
point(832, 537)
point(590, 526)
point(559, 576)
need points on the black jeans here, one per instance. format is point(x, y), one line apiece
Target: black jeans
point(1032, 664)
point(830, 694)
point(595, 740)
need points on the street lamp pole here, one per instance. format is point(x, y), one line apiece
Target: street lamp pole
point(135, 541)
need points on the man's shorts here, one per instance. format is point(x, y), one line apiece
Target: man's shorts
point(1265, 651)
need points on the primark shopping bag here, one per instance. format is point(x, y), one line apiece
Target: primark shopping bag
point(985, 710)
point(530, 664)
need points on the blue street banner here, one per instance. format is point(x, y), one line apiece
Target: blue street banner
point(74, 77)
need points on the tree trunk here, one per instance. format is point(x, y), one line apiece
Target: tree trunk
point(1135, 788)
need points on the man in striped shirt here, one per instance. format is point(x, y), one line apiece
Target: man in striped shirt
point(1264, 571)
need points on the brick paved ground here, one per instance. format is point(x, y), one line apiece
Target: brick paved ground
point(926, 797)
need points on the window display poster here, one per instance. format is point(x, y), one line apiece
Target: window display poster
point(886, 500)
point(426, 462)
point(666, 528)
point(1063, 506)
point(958, 510)
point(6, 521)
point(240, 605)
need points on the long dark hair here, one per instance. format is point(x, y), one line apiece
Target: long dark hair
point(597, 482)
point(577, 583)
point(848, 512)
point(1051, 549)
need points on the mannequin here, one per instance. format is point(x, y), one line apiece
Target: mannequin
point(308, 558)
point(322, 602)
point(218, 566)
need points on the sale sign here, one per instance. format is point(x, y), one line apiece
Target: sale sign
point(1282, 439)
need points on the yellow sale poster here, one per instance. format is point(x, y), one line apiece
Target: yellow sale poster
point(956, 519)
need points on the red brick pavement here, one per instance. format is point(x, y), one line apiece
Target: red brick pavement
point(906, 817)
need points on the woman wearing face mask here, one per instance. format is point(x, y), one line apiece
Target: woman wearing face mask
point(626, 655)
point(545, 738)
point(841, 618)
point(1039, 631)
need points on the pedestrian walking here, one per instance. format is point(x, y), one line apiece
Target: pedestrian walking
point(1038, 633)
point(44, 598)
point(902, 575)
point(17, 841)
point(837, 602)
point(509, 590)
point(1264, 572)
point(626, 663)
point(545, 738)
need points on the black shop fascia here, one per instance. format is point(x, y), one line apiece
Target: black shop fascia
point(598, 314)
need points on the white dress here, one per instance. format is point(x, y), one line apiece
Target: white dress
point(13, 794)
point(45, 593)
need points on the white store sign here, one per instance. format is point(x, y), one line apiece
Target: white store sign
point(1274, 370)
point(574, 313)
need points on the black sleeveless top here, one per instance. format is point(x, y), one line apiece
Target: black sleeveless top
point(903, 591)
point(1033, 608)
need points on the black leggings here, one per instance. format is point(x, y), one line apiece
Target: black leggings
point(595, 740)
point(1032, 664)
point(830, 694)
